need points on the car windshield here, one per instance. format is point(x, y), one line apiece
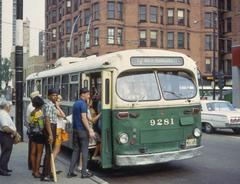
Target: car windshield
point(138, 87)
point(177, 85)
point(220, 106)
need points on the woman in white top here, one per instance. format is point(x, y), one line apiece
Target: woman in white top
point(8, 134)
point(60, 127)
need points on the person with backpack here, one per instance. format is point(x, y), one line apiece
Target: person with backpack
point(37, 135)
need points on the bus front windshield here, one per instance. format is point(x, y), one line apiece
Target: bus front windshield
point(177, 85)
point(143, 86)
point(138, 87)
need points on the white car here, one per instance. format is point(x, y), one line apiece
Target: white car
point(219, 115)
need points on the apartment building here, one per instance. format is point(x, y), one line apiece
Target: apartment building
point(86, 27)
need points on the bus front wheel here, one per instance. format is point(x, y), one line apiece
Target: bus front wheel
point(208, 128)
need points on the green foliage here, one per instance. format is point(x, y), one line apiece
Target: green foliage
point(5, 71)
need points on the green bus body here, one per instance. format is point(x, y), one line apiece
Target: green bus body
point(135, 130)
point(145, 138)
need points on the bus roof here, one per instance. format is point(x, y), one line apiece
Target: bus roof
point(112, 60)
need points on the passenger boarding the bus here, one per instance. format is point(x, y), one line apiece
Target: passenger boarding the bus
point(92, 118)
point(81, 134)
point(61, 134)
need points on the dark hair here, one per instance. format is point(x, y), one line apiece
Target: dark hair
point(37, 102)
point(52, 91)
point(83, 90)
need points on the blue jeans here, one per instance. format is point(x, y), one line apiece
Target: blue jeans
point(80, 144)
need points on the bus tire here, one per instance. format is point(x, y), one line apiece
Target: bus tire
point(236, 130)
point(208, 128)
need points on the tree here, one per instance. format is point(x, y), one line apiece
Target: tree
point(5, 72)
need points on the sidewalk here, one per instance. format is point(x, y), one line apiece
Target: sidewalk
point(21, 174)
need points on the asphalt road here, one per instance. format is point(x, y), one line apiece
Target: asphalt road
point(218, 164)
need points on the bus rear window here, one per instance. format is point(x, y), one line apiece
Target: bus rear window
point(138, 87)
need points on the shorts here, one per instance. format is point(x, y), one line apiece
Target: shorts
point(59, 136)
point(38, 139)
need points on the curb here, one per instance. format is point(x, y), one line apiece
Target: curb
point(94, 178)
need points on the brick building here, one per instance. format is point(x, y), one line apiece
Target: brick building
point(82, 27)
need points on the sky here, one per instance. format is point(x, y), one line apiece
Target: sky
point(34, 11)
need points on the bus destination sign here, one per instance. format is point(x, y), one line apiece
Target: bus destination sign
point(157, 61)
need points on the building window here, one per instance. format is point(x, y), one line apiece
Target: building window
point(170, 16)
point(228, 67)
point(86, 17)
point(54, 34)
point(75, 44)
point(153, 16)
point(62, 48)
point(208, 65)
point(110, 36)
point(120, 10)
point(76, 25)
point(96, 37)
point(142, 13)
point(181, 16)
point(60, 13)
point(153, 37)
point(188, 41)
point(96, 12)
point(161, 15)
point(86, 40)
point(161, 39)
point(76, 5)
point(181, 40)
point(68, 51)
point(69, 6)
point(143, 38)
point(210, 2)
point(188, 18)
point(68, 26)
point(54, 53)
point(208, 42)
point(208, 20)
point(229, 24)
point(170, 40)
point(80, 19)
point(229, 45)
point(120, 36)
point(111, 10)
point(80, 41)
point(229, 5)
point(54, 16)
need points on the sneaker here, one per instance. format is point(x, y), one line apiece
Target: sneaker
point(70, 175)
point(87, 175)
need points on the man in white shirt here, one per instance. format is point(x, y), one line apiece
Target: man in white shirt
point(7, 135)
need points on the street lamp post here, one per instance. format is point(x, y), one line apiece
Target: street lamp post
point(214, 56)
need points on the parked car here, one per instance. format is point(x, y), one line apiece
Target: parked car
point(219, 115)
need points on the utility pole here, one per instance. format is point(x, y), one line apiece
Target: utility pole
point(19, 68)
point(214, 54)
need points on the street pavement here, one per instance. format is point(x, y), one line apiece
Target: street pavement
point(21, 174)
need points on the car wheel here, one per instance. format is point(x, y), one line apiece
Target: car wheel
point(236, 130)
point(208, 128)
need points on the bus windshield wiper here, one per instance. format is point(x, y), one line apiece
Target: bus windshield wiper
point(177, 95)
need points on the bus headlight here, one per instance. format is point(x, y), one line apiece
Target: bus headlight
point(197, 132)
point(123, 138)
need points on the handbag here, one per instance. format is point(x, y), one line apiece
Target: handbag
point(64, 136)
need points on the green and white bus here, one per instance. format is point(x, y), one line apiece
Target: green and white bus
point(149, 99)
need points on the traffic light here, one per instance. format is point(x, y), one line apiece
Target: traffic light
point(221, 80)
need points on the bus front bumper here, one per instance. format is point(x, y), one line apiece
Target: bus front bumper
point(145, 159)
